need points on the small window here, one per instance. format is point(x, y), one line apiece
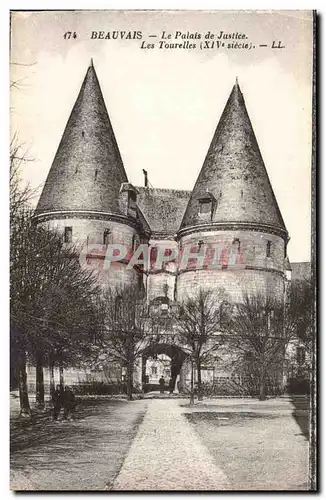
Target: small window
point(301, 355)
point(269, 317)
point(132, 197)
point(132, 200)
point(224, 313)
point(236, 242)
point(135, 242)
point(106, 236)
point(68, 234)
point(164, 309)
point(268, 248)
point(154, 370)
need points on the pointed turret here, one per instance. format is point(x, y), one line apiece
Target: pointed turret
point(87, 171)
point(233, 184)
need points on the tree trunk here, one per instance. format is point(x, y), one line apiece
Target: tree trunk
point(62, 382)
point(200, 396)
point(192, 399)
point(262, 396)
point(39, 383)
point(25, 410)
point(52, 388)
point(130, 373)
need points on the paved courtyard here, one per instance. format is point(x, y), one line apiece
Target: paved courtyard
point(230, 444)
point(163, 444)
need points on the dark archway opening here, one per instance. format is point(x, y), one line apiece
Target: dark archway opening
point(161, 360)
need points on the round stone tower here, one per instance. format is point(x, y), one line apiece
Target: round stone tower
point(86, 195)
point(232, 217)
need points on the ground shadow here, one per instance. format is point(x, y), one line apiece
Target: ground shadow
point(82, 454)
point(41, 431)
point(301, 413)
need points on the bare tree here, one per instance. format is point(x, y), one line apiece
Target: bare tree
point(53, 315)
point(20, 213)
point(198, 328)
point(21, 194)
point(258, 338)
point(129, 328)
point(300, 325)
point(299, 315)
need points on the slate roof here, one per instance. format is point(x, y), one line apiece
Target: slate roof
point(87, 170)
point(234, 173)
point(163, 209)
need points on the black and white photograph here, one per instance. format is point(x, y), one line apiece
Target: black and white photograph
point(163, 250)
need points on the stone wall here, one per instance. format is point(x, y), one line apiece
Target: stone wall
point(253, 245)
point(88, 234)
point(254, 270)
point(73, 376)
point(158, 279)
point(233, 283)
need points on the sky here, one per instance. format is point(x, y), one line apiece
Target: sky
point(164, 104)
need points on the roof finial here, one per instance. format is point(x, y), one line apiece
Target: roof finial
point(91, 65)
point(236, 80)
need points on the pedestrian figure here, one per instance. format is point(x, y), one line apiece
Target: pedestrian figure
point(177, 384)
point(162, 384)
point(57, 402)
point(69, 403)
point(171, 386)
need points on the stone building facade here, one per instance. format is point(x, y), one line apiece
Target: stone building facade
point(87, 196)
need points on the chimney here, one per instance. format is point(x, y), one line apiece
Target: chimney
point(145, 178)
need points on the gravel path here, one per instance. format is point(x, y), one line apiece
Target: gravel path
point(167, 454)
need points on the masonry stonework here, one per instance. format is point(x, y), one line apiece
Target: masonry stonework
point(232, 206)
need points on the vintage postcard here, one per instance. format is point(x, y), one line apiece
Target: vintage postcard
point(162, 253)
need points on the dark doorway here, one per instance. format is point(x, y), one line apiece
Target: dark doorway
point(176, 356)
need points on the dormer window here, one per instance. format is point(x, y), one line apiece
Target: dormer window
point(206, 205)
point(132, 207)
point(128, 199)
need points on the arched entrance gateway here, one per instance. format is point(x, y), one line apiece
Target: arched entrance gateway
point(167, 361)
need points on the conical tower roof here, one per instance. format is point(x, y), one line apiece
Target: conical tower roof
point(233, 175)
point(87, 170)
